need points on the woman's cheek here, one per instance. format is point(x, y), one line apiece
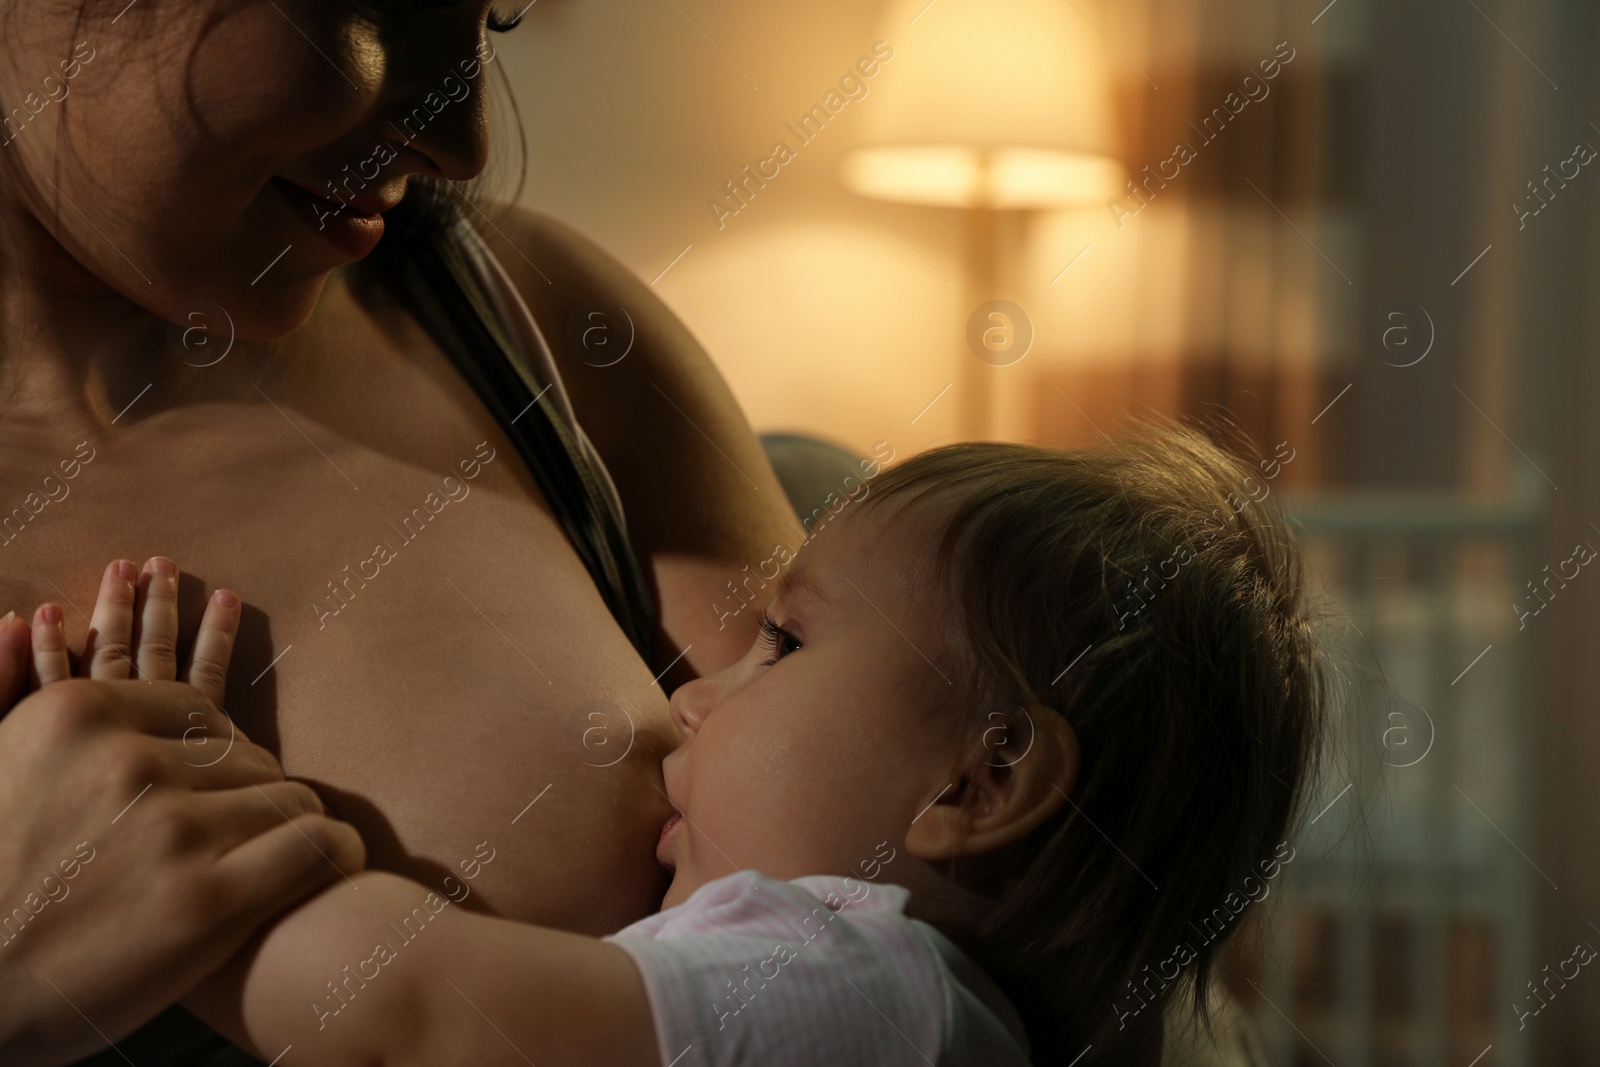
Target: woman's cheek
point(295, 94)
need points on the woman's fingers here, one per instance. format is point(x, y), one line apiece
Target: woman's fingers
point(273, 870)
point(204, 759)
point(165, 709)
point(50, 662)
point(213, 646)
point(156, 641)
point(107, 653)
point(233, 816)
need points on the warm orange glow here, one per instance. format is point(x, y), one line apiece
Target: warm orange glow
point(962, 176)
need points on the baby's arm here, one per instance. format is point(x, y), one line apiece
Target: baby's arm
point(379, 970)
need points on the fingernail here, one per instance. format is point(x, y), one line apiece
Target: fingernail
point(225, 598)
point(50, 614)
point(163, 566)
point(127, 571)
point(7, 620)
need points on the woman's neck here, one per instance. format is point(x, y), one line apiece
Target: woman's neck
point(71, 347)
point(76, 354)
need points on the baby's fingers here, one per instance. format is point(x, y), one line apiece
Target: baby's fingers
point(15, 660)
point(213, 646)
point(156, 649)
point(50, 663)
point(111, 626)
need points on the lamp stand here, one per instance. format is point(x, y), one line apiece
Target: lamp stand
point(976, 378)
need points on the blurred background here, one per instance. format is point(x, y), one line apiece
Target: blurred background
point(1365, 232)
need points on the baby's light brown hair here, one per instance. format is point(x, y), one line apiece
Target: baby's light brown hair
point(1171, 582)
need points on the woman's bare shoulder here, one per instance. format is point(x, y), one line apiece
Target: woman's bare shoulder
point(555, 267)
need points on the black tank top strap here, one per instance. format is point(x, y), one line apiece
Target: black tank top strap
point(454, 286)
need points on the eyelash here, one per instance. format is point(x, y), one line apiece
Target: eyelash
point(498, 23)
point(773, 636)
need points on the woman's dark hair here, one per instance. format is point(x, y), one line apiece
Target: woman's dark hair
point(1170, 582)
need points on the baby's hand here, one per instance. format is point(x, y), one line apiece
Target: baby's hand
point(133, 632)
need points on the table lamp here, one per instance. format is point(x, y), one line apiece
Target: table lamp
point(990, 106)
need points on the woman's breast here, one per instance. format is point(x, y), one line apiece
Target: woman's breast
point(420, 643)
point(462, 691)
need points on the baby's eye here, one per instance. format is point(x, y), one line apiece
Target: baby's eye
point(778, 641)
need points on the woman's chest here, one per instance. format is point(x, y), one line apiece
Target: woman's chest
point(419, 640)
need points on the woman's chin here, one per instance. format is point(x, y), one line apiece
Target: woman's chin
point(260, 313)
point(268, 321)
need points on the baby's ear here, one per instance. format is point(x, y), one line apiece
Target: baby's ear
point(1018, 774)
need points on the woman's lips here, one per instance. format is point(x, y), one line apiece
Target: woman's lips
point(342, 225)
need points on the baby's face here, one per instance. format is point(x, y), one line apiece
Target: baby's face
point(823, 742)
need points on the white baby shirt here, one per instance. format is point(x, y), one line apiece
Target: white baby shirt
point(820, 970)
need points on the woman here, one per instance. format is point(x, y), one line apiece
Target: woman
point(220, 165)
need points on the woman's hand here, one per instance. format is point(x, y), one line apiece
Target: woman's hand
point(143, 838)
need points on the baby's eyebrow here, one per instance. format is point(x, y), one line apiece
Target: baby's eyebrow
point(800, 580)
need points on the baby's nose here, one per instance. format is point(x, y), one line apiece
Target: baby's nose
point(690, 704)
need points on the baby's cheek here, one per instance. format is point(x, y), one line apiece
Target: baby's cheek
point(760, 779)
point(820, 771)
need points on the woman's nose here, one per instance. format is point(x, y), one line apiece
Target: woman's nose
point(690, 704)
point(440, 110)
point(454, 142)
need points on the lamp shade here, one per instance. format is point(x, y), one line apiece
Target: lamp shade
point(998, 103)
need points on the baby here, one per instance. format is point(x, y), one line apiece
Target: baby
point(955, 806)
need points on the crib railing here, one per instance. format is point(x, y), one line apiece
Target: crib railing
point(1400, 934)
